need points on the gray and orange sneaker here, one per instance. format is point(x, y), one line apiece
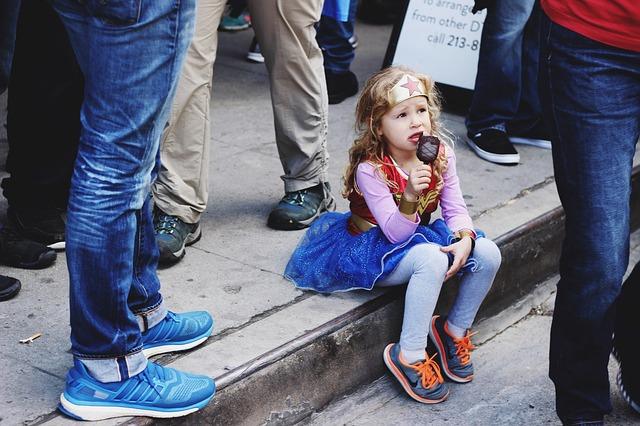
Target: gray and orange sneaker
point(421, 380)
point(454, 354)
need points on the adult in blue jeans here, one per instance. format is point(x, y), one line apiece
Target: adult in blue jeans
point(336, 37)
point(590, 87)
point(130, 53)
point(505, 108)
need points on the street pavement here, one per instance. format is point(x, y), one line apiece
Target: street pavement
point(510, 387)
point(235, 270)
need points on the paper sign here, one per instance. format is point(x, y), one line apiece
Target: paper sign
point(441, 38)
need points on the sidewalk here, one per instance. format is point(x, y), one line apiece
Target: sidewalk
point(511, 385)
point(235, 270)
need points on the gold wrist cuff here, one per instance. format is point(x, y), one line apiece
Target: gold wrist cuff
point(465, 233)
point(408, 207)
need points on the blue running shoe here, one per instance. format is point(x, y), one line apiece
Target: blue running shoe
point(454, 354)
point(421, 380)
point(177, 332)
point(156, 392)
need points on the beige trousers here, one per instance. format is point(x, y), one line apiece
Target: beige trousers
point(181, 188)
point(287, 37)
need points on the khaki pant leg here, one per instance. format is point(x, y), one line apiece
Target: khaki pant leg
point(182, 186)
point(287, 37)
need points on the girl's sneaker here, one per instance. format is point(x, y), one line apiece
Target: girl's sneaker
point(156, 392)
point(421, 380)
point(454, 354)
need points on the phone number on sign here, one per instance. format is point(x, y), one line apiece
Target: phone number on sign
point(453, 41)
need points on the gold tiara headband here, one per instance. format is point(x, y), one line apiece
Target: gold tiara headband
point(407, 87)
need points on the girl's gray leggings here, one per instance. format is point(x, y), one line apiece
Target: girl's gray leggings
point(424, 267)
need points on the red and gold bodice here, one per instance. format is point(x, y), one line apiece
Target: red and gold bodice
point(397, 181)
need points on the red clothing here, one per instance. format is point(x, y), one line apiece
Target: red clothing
point(612, 22)
point(427, 202)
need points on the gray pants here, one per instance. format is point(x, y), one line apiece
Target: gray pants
point(424, 267)
point(286, 32)
point(181, 188)
point(287, 36)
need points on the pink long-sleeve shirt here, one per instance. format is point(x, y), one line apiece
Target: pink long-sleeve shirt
point(395, 226)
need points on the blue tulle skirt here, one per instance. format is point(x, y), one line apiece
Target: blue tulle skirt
point(328, 259)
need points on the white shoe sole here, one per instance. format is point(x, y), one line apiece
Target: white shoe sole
point(97, 412)
point(157, 350)
point(494, 158)
point(60, 245)
point(538, 143)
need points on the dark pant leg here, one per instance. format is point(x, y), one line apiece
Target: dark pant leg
point(43, 123)
point(591, 100)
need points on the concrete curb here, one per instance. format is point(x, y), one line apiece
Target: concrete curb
point(290, 382)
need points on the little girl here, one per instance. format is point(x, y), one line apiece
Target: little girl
point(386, 238)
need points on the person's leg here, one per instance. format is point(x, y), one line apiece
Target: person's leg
point(40, 157)
point(334, 38)
point(286, 30)
point(8, 21)
point(131, 59)
point(590, 95)
point(475, 285)
point(451, 335)
point(498, 85)
point(423, 267)
point(181, 189)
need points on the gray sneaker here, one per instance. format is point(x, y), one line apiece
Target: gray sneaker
point(421, 380)
point(173, 235)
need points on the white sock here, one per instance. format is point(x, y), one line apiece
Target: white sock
point(411, 357)
point(455, 331)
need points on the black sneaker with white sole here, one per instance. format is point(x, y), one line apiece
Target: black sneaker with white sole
point(493, 145)
point(537, 136)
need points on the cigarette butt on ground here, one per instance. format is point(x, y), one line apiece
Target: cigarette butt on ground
point(30, 339)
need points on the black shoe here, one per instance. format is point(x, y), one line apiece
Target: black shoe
point(173, 235)
point(537, 136)
point(255, 54)
point(44, 226)
point(493, 145)
point(298, 209)
point(341, 86)
point(19, 252)
point(625, 338)
point(9, 287)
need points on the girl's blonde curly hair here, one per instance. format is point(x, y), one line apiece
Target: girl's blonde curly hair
point(372, 105)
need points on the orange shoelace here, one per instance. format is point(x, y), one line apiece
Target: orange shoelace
point(429, 372)
point(464, 348)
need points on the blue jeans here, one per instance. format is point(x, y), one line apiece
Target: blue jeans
point(8, 21)
point(333, 38)
point(130, 53)
point(506, 90)
point(591, 98)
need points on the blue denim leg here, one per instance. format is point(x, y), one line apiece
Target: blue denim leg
point(130, 53)
point(507, 52)
point(8, 21)
point(333, 38)
point(591, 99)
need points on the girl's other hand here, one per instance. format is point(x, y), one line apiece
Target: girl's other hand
point(419, 179)
point(461, 251)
